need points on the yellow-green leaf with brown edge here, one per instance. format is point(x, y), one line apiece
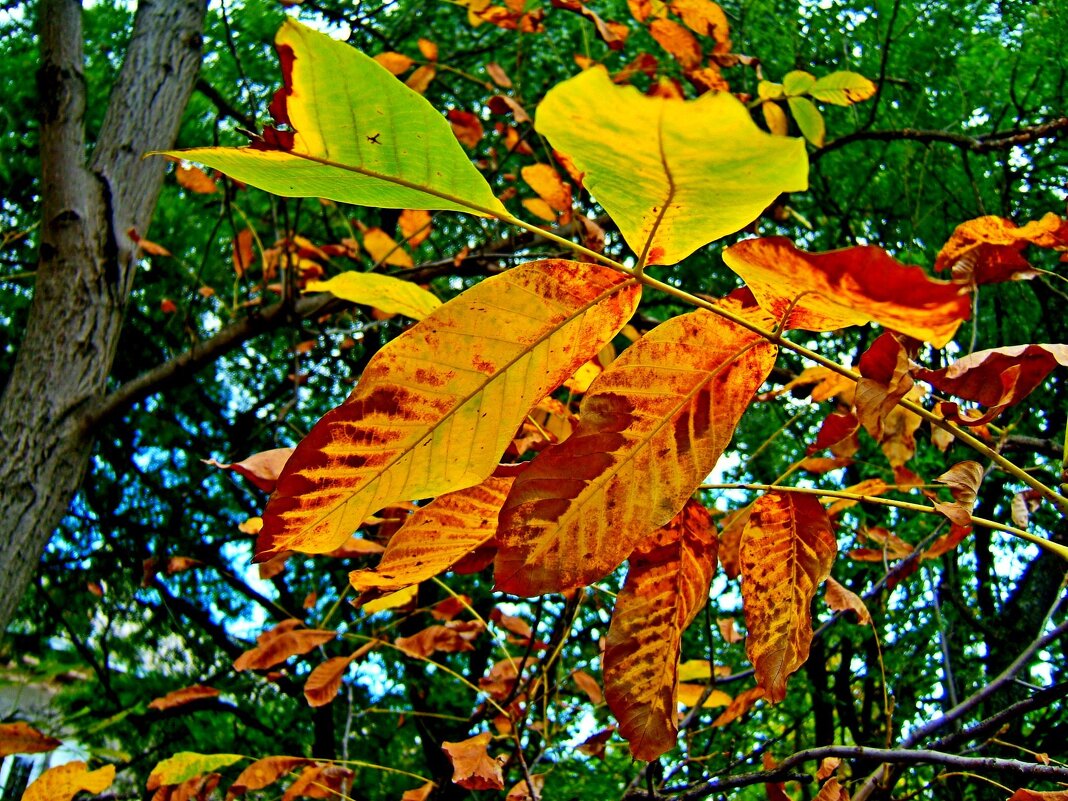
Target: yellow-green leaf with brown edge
point(353, 133)
point(437, 536)
point(651, 428)
point(673, 174)
point(786, 552)
point(666, 586)
point(187, 765)
point(842, 88)
point(63, 782)
point(852, 286)
point(435, 409)
point(384, 292)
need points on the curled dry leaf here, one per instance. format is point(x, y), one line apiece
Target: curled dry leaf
point(594, 745)
point(841, 599)
point(678, 41)
point(186, 695)
point(831, 791)
point(453, 636)
point(786, 552)
point(963, 480)
point(853, 286)
point(263, 773)
point(987, 249)
point(473, 768)
point(885, 380)
point(63, 782)
point(728, 627)
point(262, 469)
point(21, 738)
point(1023, 504)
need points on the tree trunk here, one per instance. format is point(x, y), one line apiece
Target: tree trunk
point(87, 260)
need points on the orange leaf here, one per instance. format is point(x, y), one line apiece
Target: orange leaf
point(396, 63)
point(550, 187)
point(840, 599)
point(678, 41)
point(414, 225)
point(419, 793)
point(63, 782)
point(324, 682)
point(417, 427)
point(419, 81)
point(261, 469)
point(242, 251)
point(539, 208)
point(263, 773)
point(384, 249)
point(588, 684)
point(847, 287)
point(21, 738)
point(1024, 794)
point(947, 542)
point(832, 791)
point(466, 126)
point(706, 18)
point(786, 552)
point(437, 536)
point(996, 378)
point(186, 695)
point(521, 790)
point(499, 76)
point(319, 781)
point(472, 766)
point(987, 249)
point(279, 644)
point(454, 636)
point(428, 49)
point(652, 427)
point(194, 179)
point(728, 628)
point(891, 547)
point(666, 586)
point(741, 704)
point(885, 380)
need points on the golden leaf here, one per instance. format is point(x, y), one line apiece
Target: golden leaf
point(786, 552)
point(63, 782)
point(652, 427)
point(472, 766)
point(436, 408)
point(186, 695)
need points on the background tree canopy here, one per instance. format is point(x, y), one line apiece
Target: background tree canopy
point(166, 333)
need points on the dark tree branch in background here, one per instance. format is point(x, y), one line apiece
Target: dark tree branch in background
point(985, 143)
point(225, 107)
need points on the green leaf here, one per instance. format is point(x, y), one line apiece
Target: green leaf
point(808, 118)
point(384, 292)
point(842, 88)
point(798, 82)
point(186, 765)
point(674, 175)
point(359, 136)
point(766, 90)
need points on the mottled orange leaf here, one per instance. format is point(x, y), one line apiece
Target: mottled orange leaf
point(666, 586)
point(450, 607)
point(394, 62)
point(996, 378)
point(437, 536)
point(453, 636)
point(521, 789)
point(194, 179)
point(263, 773)
point(551, 188)
point(418, 427)
point(319, 781)
point(840, 599)
point(819, 465)
point(278, 644)
point(847, 287)
point(987, 249)
point(186, 695)
point(472, 766)
point(466, 126)
point(891, 547)
point(588, 684)
point(63, 782)
point(786, 552)
point(21, 738)
point(678, 41)
point(651, 428)
point(414, 225)
point(741, 704)
point(262, 469)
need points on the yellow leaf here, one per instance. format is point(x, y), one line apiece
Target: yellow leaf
point(394, 600)
point(808, 119)
point(775, 118)
point(384, 292)
point(437, 536)
point(673, 174)
point(436, 408)
point(414, 225)
point(63, 782)
point(666, 586)
point(187, 765)
point(651, 428)
point(786, 552)
point(539, 208)
point(854, 286)
point(704, 17)
point(384, 249)
point(550, 187)
point(194, 179)
point(690, 693)
point(419, 81)
point(700, 670)
point(842, 88)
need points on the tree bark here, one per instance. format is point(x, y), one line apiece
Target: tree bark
point(87, 260)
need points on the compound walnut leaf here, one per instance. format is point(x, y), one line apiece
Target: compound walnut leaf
point(786, 552)
point(853, 286)
point(435, 409)
point(349, 131)
point(666, 586)
point(652, 427)
point(437, 536)
point(674, 175)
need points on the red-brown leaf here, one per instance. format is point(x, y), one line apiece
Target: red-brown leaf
point(277, 645)
point(21, 738)
point(456, 635)
point(263, 773)
point(323, 683)
point(186, 695)
point(473, 768)
point(262, 469)
point(987, 249)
